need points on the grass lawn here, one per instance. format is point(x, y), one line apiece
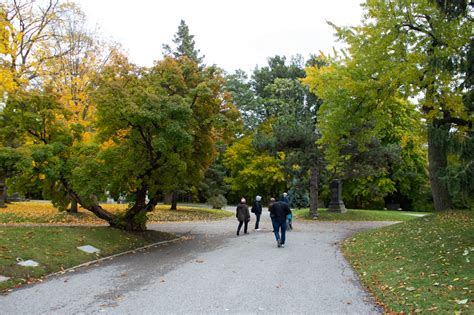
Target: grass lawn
point(423, 265)
point(44, 212)
point(54, 248)
point(358, 215)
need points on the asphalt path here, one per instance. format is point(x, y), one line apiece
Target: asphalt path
point(212, 271)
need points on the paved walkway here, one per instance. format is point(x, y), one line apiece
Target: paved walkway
point(212, 271)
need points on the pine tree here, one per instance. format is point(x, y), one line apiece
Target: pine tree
point(184, 45)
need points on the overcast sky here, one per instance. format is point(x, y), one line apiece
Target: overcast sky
point(231, 34)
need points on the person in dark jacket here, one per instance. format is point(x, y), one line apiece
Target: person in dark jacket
point(243, 215)
point(279, 212)
point(284, 198)
point(257, 209)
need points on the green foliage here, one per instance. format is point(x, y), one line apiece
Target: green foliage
point(244, 98)
point(251, 172)
point(213, 183)
point(281, 112)
point(408, 49)
point(136, 223)
point(217, 202)
point(41, 122)
point(184, 45)
point(423, 265)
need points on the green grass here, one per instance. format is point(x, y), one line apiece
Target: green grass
point(55, 248)
point(424, 264)
point(358, 215)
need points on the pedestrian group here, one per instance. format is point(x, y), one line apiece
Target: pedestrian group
point(280, 214)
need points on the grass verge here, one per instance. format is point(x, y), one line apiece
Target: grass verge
point(44, 212)
point(358, 215)
point(423, 265)
point(55, 248)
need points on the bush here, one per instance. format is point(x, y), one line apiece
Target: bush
point(217, 202)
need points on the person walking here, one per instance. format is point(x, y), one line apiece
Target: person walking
point(279, 212)
point(243, 215)
point(257, 210)
point(284, 198)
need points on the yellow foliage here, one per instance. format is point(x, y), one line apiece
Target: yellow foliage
point(44, 213)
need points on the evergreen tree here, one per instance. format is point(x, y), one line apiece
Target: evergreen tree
point(183, 45)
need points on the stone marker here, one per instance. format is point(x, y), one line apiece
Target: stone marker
point(28, 263)
point(3, 278)
point(336, 204)
point(89, 249)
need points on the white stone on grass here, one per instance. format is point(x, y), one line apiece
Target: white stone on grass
point(3, 278)
point(89, 249)
point(28, 263)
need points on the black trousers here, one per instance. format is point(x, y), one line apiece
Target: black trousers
point(257, 215)
point(240, 226)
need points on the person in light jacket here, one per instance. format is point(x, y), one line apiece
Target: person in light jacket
point(243, 215)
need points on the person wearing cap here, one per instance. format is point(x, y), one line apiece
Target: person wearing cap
point(257, 209)
point(243, 215)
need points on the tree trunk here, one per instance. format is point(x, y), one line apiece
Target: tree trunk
point(73, 208)
point(3, 194)
point(174, 200)
point(438, 161)
point(95, 208)
point(313, 192)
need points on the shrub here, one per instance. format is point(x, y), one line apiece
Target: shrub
point(217, 202)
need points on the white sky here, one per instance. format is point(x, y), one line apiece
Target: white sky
point(231, 34)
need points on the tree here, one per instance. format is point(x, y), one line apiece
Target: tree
point(159, 127)
point(183, 45)
point(292, 108)
point(252, 172)
point(81, 55)
point(31, 38)
point(7, 84)
point(405, 49)
point(240, 88)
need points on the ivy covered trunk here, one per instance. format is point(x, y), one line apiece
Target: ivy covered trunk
point(438, 161)
point(313, 192)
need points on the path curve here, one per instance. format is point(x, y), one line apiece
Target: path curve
point(213, 271)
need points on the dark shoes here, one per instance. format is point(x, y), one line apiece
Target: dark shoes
point(278, 243)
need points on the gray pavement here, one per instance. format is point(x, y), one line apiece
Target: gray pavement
point(212, 271)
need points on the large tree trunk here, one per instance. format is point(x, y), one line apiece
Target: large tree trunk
point(438, 161)
point(3, 195)
point(73, 208)
point(135, 217)
point(133, 220)
point(313, 192)
point(174, 200)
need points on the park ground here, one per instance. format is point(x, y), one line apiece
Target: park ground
point(210, 270)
